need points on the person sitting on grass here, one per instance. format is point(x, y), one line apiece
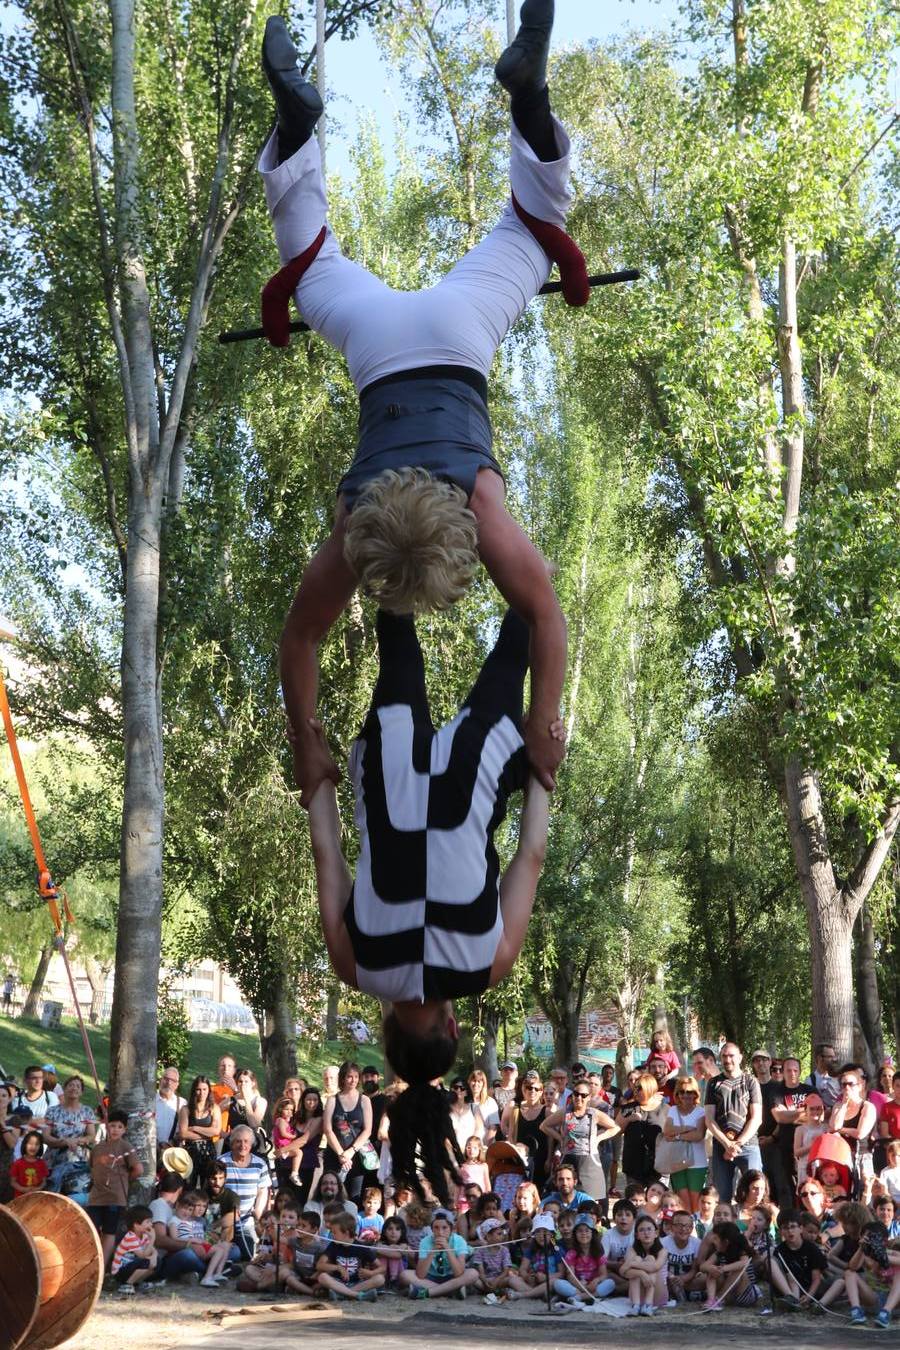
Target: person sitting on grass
point(704, 1215)
point(799, 1266)
point(306, 1247)
point(492, 1260)
point(29, 1172)
point(729, 1271)
point(114, 1165)
point(370, 1222)
point(644, 1267)
point(347, 1268)
point(189, 1225)
point(395, 1260)
point(584, 1276)
point(617, 1241)
point(682, 1248)
point(541, 1261)
point(441, 1267)
point(274, 1254)
point(134, 1259)
point(881, 1264)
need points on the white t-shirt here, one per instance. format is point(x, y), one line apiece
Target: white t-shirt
point(490, 1113)
point(465, 1125)
point(890, 1177)
point(690, 1121)
point(161, 1212)
point(616, 1244)
point(680, 1258)
point(166, 1115)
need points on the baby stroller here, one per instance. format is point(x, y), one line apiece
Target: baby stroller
point(834, 1151)
point(507, 1167)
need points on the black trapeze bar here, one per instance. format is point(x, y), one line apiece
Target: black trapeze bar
point(551, 288)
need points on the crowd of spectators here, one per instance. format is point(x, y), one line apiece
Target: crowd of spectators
point(709, 1181)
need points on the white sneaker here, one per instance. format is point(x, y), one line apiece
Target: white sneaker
point(646, 1310)
point(490, 1299)
point(209, 1282)
point(633, 1310)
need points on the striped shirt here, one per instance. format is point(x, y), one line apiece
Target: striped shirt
point(246, 1181)
point(126, 1251)
point(424, 915)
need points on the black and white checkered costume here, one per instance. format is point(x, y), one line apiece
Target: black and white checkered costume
point(424, 916)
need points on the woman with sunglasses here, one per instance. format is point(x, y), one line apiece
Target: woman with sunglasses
point(814, 1200)
point(579, 1132)
point(464, 1116)
point(522, 1125)
point(686, 1121)
point(853, 1118)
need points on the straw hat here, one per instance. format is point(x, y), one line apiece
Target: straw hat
point(178, 1160)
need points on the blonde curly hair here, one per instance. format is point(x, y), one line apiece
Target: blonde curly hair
point(412, 541)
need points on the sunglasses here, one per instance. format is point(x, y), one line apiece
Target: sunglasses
point(849, 1082)
point(457, 1087)
point(531, 1087)
point(803, 1194)
point(585, 1096)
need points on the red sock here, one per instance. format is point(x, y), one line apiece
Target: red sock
point(277, 292)
point(562, 250)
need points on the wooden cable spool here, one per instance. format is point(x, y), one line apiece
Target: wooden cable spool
point(51, 1271)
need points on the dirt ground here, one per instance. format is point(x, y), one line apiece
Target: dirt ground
point(187, 1317)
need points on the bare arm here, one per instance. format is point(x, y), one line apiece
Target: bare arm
point(325, 591)
point(519, 882)
point(333, 880)
point(550, 1126)
point(520, 574)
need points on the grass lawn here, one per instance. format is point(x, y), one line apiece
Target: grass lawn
point(26, 1042)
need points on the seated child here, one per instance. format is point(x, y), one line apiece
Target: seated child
point(417, 1217)
point(682, 1247)
point(584, 1277)
point(274, 1256)
point(890, 1175)
point(526, 1204)
point(189, 1225)
point(492, 1260)
point(705, 1216)
point(347, 1268)
point(441, 1267)
point(29, 1172)
point(134, 1258)
point(644, 1266)
point(370, 1223)
point(114, 1165)
point(730, 1276)
point(723, 1213)
point(799, 1266)
point(617, 1241)
point(306, 1247)
point(881, 1264)
point(830, 1177)
point(760, 1239)
point(541, 1261)
point(394, 1235)
point(565, 1227)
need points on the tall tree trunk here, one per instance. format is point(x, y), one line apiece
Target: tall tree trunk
point(867, 998)
point(30, 1008)
point(278, 1043)
point(490, 1022)
point(331, 1015)
point(139, 932)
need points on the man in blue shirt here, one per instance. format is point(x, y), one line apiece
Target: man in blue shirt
point(566, 1194)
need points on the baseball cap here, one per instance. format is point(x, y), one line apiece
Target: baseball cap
point(48, 1068)
point(509, 1064)
point(543, 1222)
point(532, 1076)
point(584, 1221)
point(488, 1226)
point(760, 1054)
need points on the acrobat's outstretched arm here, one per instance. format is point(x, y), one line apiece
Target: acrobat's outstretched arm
point(520, 574)
point(325, 591)
point(519, 883)
point(333, 880)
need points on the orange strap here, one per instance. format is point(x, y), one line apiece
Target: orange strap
point(46, 886)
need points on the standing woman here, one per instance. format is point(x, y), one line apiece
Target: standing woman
point(248, 1107)
point(641, 1119)
point(486, 1106)
point(522, 1125)
point(199, 1125)
point(579, 1132)
point(464, 1117)
point(347, 1125)
point(853, 1118)
point(686, 1122)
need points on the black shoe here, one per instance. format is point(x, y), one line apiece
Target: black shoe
point(297, 101)
point(522, 69)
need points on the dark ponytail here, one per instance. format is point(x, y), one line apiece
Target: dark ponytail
point(422, 1135)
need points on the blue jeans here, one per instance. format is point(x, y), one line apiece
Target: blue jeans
point(725, 1173)
point(566, 1289)
point(186, 1262)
